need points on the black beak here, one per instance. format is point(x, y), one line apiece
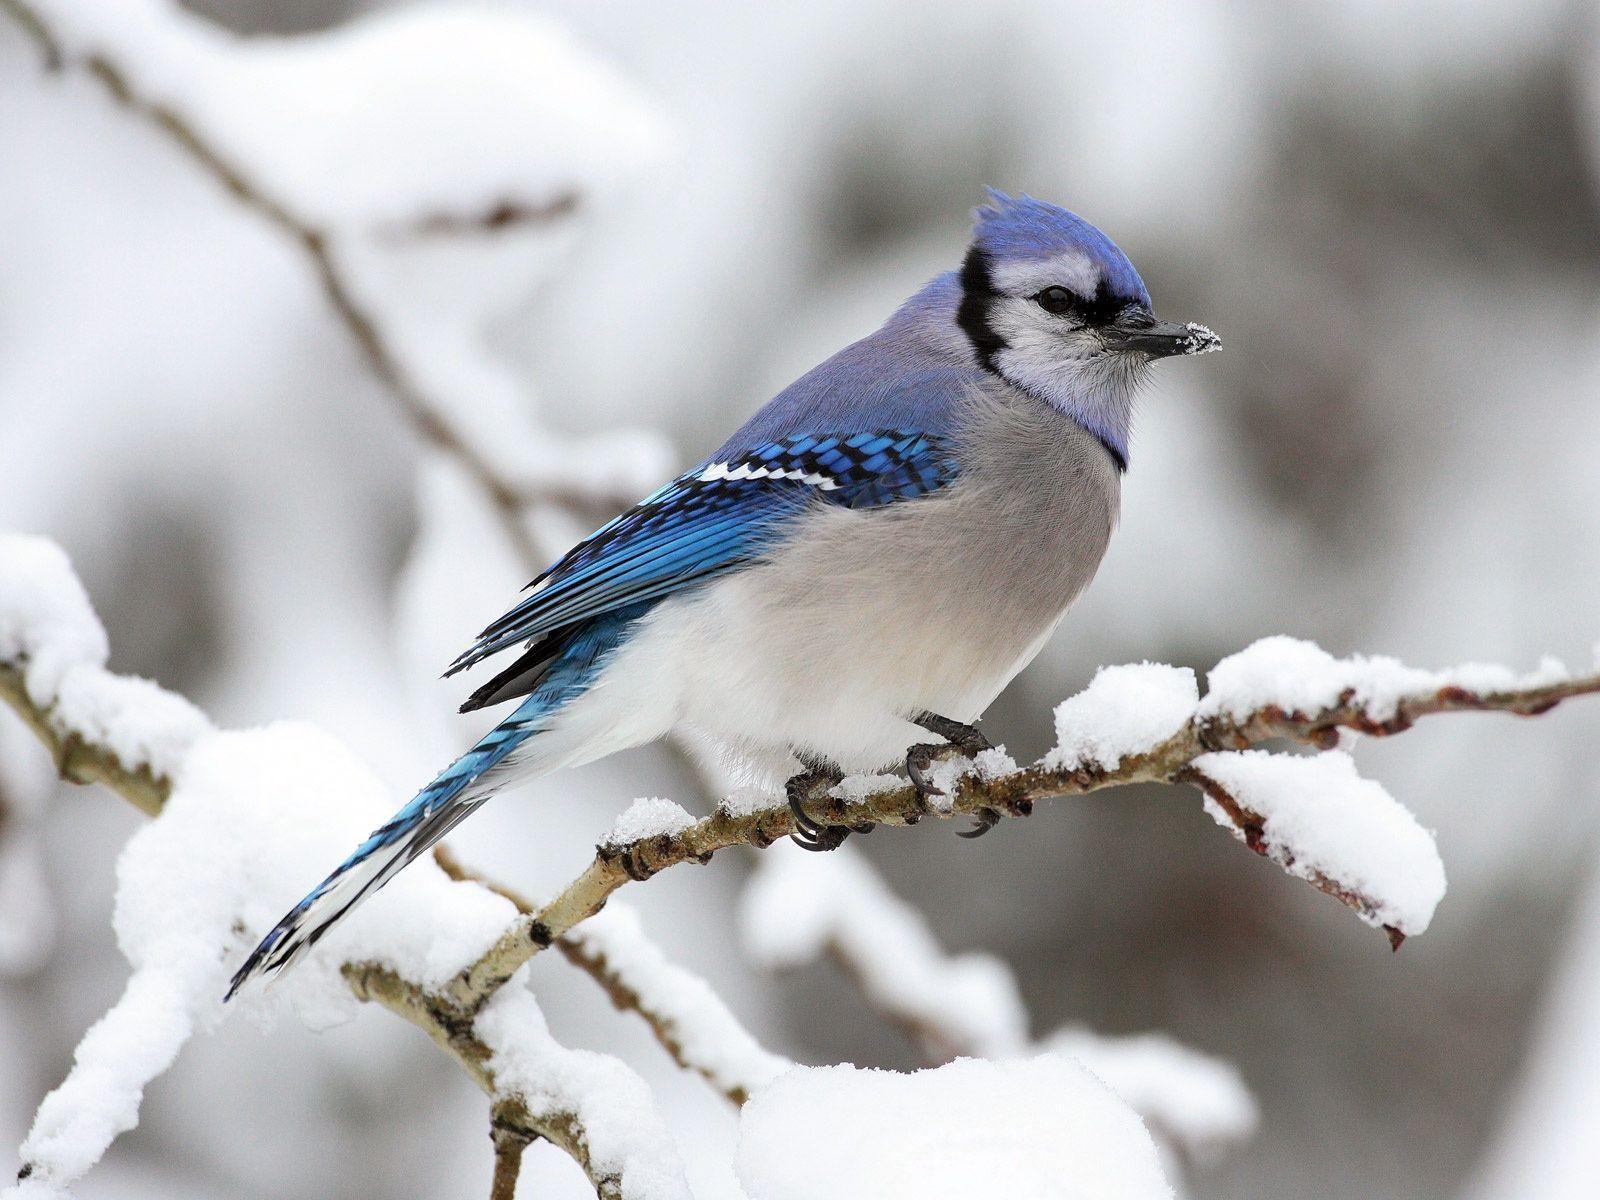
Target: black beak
point(1159, 339)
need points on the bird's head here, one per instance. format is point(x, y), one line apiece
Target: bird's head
point(1053, 306)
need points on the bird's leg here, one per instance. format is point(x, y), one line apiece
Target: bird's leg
point(965, 738)
point(960, 739)
point(819, 775)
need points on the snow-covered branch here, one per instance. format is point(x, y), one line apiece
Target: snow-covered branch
point(202, 90)
point(230, 806)
point(1146, 724)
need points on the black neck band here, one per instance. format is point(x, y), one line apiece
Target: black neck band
point(977, 294)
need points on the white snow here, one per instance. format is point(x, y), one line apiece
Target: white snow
point(1191, 1099)
point(46, 620)
point(1125, 711)
point(799, 904)
point(1300, 676)
point(429, 112)
point(1042, 1128)
point(141, 722)
point(255, 819)
point(993, 764)
point(945, 777)
point(648, 817)
point(747, 799)
point(623, 1130)
point(1321, 817)
point(858, 789)
point(710, 1037)
point(48, 628)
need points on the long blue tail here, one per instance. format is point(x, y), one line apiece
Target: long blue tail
point(452, 797)
point(435, 810)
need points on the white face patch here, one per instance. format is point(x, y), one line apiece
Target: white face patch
point(1067, 367)
point(1071, 269)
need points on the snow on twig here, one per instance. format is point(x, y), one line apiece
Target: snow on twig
point(52, 670)
point(686, 1015)
point(1319, 820)
point(626, 1149)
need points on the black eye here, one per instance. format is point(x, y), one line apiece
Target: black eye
point(1056, 300)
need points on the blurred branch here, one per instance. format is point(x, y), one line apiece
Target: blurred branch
point(1013, 794)
point(421, 410)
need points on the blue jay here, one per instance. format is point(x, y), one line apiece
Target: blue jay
point(876, 552)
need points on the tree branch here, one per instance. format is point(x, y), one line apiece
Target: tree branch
point(83, 762)
point(511, 1117)
point(1012, 794)
point(1171, 748)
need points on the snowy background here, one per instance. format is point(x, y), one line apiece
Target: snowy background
point(1390, 213)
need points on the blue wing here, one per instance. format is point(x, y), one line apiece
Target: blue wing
point(711, 519)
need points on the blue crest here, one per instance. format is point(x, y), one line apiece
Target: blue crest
point(1024, 229)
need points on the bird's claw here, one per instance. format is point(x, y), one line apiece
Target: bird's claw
point(961, 741)
point(966, 738)
point(986, 819)
point(809, 834)
point(921, 758)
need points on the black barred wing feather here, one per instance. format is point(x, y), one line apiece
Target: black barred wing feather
point(711, 519)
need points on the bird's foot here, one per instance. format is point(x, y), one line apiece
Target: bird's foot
point(812, 783)
point(962, 741)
